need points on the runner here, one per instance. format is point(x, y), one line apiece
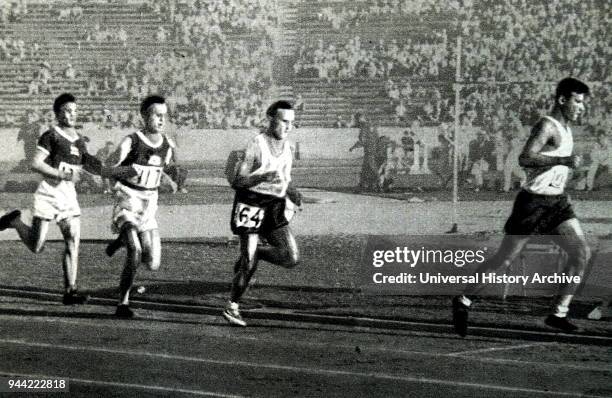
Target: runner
point(262, 205)
point(543, 207)
point(60, 156)
point(148, 152)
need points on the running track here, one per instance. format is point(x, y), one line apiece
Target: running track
point(170, 354)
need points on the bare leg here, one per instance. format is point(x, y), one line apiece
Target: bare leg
point(132, 261)
point(571, 239)
point(151, 249)
point(116, 244)
point(33, 237)
point(247, 265)
point(71, 231)
point(510, 248)
point(283, 250)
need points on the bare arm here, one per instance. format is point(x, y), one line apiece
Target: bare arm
point(121, 152)
point(39, 165)
point(244, 177)
point(93, 165)
point(356, 145)
point(294, 195)
point(359, 143)
point(541, 134)
point(170, 162)
point(172, 155)
point(116, 170)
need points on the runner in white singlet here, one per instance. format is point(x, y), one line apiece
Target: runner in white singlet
point(263, 203)
point(543, 207)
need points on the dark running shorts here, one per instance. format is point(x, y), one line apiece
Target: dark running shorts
point(256, 213)
point(538, 214)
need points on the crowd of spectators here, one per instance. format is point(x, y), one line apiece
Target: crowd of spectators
point(227, 46)
point(518, 41)
point(535, 40)
point(204, 49)
point(13, 10)
point(70, 14)
point(357, 57)
point(364, 12)
point(98, 35)
point(503, 40)
point(14, 49)
point(428, 104)
point(211, 57)
point(205, 22)
point(193, 82)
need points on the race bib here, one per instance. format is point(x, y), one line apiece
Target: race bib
point(148, 176)
point(558, 179)
point(69, 168)
point(248, 216)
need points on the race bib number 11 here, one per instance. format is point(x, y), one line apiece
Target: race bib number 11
point(248, 216)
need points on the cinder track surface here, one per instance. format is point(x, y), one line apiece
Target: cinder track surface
point(168, 354)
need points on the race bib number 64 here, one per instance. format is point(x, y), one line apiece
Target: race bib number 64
point(248, 216)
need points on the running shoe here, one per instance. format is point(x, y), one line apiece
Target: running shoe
point(74, 297)
point(232, 314)
point(560, 323)
point(124, 311)
point(460, 316)
point(7, 219)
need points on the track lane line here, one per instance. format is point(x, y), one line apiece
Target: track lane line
point(122, 385)
point(493, 349)
point(493, 360)
point(315, 371)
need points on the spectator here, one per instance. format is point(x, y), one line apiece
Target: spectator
point(104, 155)
point(70, 72)
point(480, 147)
point(299, 103)
point(340, 123)
point(367, 139)
point(601, 160)
point(28, 133)
point(511, 166)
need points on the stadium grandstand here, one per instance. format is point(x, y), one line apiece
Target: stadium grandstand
point(395, 62)
point(395, 59)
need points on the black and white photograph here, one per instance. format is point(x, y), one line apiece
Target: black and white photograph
point(305, 198)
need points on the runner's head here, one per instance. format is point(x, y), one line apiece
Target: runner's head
point(281, 116)
point(570, 96)
point(65, 109)
point(154, 111)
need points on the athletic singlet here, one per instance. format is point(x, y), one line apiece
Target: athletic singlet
point(148, 160)
point(281, 164)
point(552, 180)
point(64, 152)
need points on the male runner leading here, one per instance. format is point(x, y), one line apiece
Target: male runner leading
point(261, 205)
point(543, 207)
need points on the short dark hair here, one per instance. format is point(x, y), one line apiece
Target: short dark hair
point(272, 109)
point(61, 100)
point(569, 85)
point(150, 100)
